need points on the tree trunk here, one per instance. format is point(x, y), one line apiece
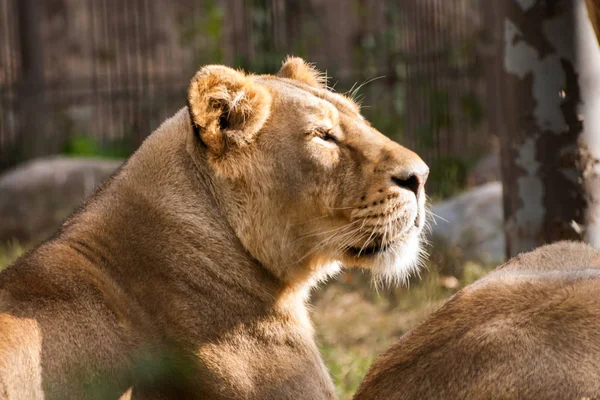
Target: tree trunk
point(588, 60)
point(548, 123)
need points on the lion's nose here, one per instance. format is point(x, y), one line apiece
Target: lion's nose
point(412, 177)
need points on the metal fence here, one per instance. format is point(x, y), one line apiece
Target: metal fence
point(112, 70)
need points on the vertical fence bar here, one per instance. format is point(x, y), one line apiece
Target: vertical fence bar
point(31, 93)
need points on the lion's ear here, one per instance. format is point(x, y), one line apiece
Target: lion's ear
point(227, 107)
point(298, 69)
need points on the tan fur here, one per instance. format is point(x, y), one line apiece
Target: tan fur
point(295, 68)
point(528, 330)
point(217, 91)
point(186, 274)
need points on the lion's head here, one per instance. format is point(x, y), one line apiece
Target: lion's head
point(302, 178)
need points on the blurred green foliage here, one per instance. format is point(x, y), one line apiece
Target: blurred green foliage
point(87, 146)
point(202, 33)
point(9, 252)
point(377, 61)
point(347, 366)
point(472, 109)
point(448, 176)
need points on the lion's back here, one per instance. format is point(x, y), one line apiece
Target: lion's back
point(531, 330)
point(59, 323)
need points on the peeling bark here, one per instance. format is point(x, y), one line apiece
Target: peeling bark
point(588, 60)
point(550, 86)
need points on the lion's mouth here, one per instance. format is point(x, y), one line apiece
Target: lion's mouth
point(380, 245)
point(370, 251)
point(386, 236)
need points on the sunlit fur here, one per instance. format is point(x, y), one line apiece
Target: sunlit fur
point(405, 251)
point(351, 201)
point(300, 201)
point(205, 245)
point(530, 329)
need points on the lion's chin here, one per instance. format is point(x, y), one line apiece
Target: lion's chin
point(393, 263)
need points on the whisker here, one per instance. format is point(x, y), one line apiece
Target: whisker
point(325, 232)
point(341, 208)
point(354, 91)
point(352, 88)
point(285, 231)
point(347, 240)
point(359, 233)
point(436, 216)
point(311, 220)
point(326, 241)
point(365, 245)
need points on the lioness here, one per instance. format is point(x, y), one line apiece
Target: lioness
point(186, 274)
point(528, 330)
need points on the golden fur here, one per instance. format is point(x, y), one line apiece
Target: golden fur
point(186, 274)
point(528, 330)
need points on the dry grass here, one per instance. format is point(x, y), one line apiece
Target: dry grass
point(9, 253)
point(355, 321)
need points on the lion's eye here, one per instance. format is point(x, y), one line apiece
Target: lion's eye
point(327, 136)
point(324, 137)
point(325, 140)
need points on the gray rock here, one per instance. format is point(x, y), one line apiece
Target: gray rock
point(36, 197)
point(473, 222)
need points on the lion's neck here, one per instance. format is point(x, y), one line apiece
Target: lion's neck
point(165, 243)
